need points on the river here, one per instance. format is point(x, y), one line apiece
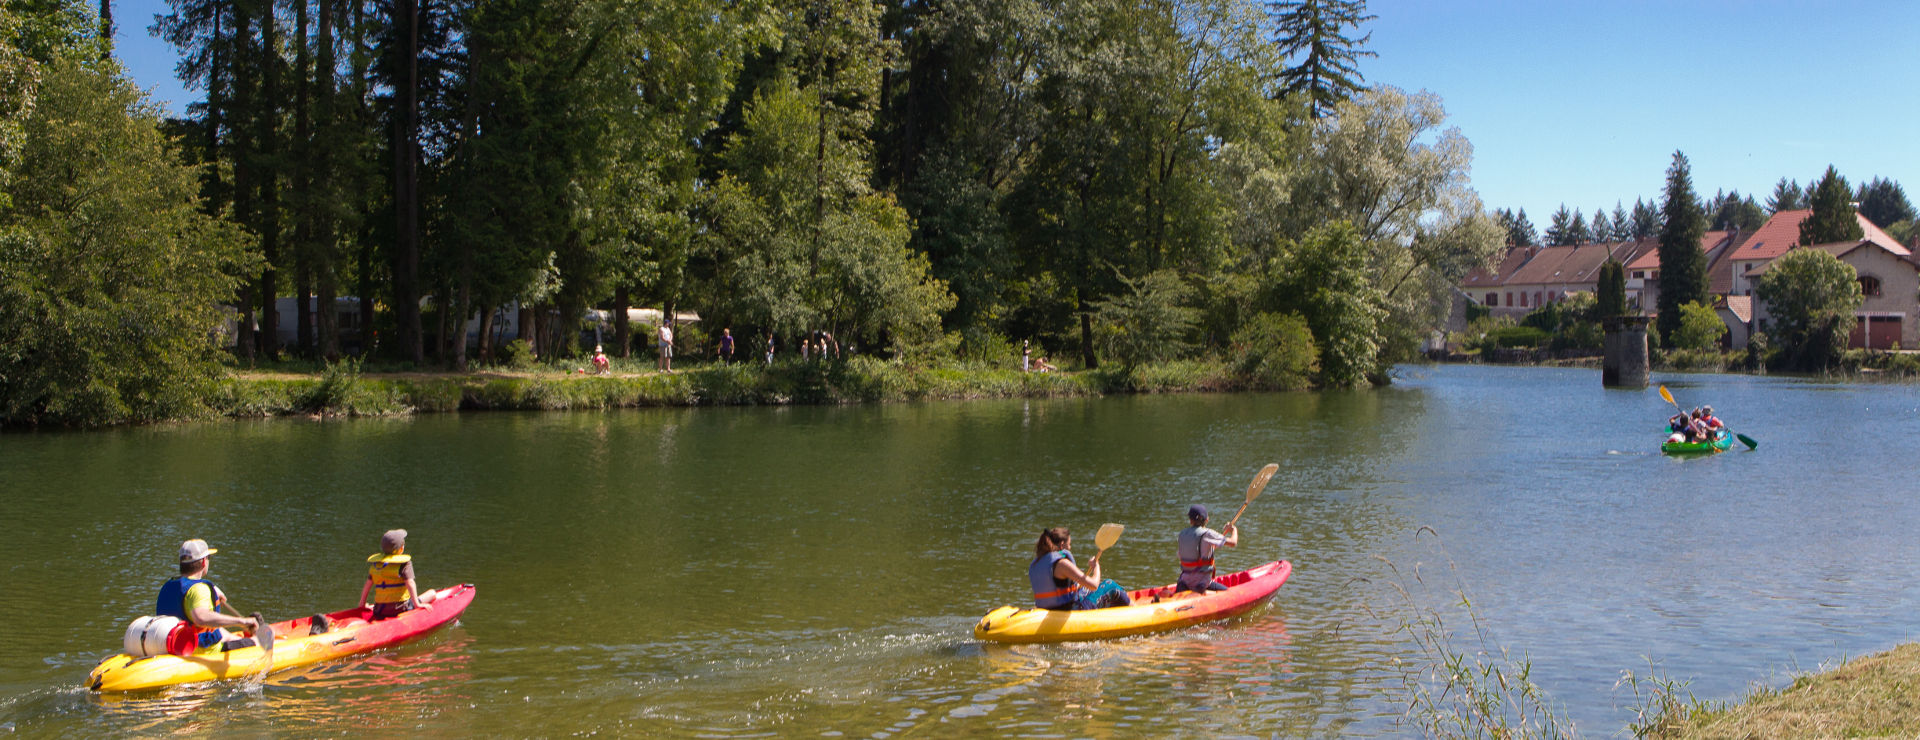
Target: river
point(816, 571)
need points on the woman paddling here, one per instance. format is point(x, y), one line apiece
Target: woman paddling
point(1060, 584)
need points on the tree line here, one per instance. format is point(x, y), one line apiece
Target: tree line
point(1882, 201)
point(1118, 181)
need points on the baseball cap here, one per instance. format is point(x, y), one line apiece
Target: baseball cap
point(1197, 511)
point(193, 550)
point(394, 539)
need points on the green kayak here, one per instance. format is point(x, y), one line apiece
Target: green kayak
point(1720, 442)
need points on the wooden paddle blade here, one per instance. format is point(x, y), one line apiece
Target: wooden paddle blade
point(1748, 441)
point(1109, 533)
point(1260, 481)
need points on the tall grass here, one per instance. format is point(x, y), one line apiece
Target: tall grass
point(1459, 682)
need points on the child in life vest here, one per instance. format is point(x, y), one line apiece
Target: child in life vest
point(390, 579)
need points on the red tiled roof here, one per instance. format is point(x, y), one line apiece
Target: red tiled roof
point(1650, 259)
point(1782, 232)
point(1575, 264)
point(1740, 305)
point(1841, 250)
point(1512, 260)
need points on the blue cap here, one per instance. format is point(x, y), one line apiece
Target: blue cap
point(1197, 511)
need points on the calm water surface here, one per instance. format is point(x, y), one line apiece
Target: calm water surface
point(817, 571)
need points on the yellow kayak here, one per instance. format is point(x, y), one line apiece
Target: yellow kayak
point(347, 632)
point(1153, 610)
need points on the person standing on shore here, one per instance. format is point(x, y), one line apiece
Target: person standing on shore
point(1026, 355)
point(726, 346)
point(666, 346)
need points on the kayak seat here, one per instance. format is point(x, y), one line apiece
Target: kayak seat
point(319, 625)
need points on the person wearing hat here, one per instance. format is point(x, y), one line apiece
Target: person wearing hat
point(194, 600)
point(599, 361)
point(390, 579)
point(1197, 547)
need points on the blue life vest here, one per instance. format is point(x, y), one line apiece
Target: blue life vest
point(1050, 592)
point(172, 603)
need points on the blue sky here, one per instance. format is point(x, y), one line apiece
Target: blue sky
point(1583, 103)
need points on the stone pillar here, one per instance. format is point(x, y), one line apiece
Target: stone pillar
point(1624, 363)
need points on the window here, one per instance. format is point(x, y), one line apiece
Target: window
point(1869, 285)
point(1493, 299)
point(1510, 298)
point(1640, 274)
point(1536, 299)
point(1523, 299)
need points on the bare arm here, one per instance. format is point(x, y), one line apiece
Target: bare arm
point(1090, 580)
point(364, 588)
point(1233, 536)
point(207, 617)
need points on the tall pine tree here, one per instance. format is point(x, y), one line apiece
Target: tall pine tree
point(1832, 219)
point(1315, 32)
point(1683, 267)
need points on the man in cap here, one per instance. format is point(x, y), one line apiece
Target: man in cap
point(1197, 546)
point(390, 579)
point(194, 600)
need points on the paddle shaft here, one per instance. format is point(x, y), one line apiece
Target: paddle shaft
point(1253, 490)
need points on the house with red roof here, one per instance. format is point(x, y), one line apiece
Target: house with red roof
point(1527, 278)
point(1888, 272)
point(1643, 273)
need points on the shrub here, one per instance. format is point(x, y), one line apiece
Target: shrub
point(1516, 336)
point(517, 354)
point(1276, 351)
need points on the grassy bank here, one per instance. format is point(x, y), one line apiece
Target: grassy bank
point(1873, 696)
point(345, 390)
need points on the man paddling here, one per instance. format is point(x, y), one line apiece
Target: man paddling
point(1197, 547)
point(194, 600)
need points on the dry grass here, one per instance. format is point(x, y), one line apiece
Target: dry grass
point(1875, 696)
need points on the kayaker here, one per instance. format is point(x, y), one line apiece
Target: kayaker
point(1060, 584)
point(390, 579)
point(1197, 548)
point(194, 600)
point(1713, 422)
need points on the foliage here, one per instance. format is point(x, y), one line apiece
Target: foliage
point(1787, 196)
point(1812, 296)
point(1612, 290)
point(1314, 32)
point(1324, 279)
point(1149, 322)
point(1833, 216)
point(1276, 351)
point(1516, 336)
point(517, 354)
point(1683, 266)
point(1520, 231)
point(1700, 327)
point(109, 272)
point(1884, 203)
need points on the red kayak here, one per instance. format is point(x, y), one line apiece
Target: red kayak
point(296, 643)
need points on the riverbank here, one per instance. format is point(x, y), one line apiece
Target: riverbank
point(342, 390)
point(1872, 696)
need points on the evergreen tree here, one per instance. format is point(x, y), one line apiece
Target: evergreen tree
point(1522, 232)
point(1735, 212)
point(1611, 292)
point(1602, 227)
point(1560, 229)
point(1578, 232)
point(1833, 217)
point(1884, 202)
point(1683, 266)
point(1314, 31)
point(1622, 224)
point(1787, 196)
point(1646, 220)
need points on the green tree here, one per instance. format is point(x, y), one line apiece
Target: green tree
point(1149, 321)
point(1646, 221)
point(1276, 351)
point(1811, 296)
point(1520, 232)
point(1601, 227)
point(1735, 212)
point(1683, 266)
point(1324, 278)
point(1611, 293)
point(1560, 230)
point(109, 272)
point(1315, 32)
point(1884, 202)
point(1787, 196)
point(1833, 218)
point(1700, 327)
point(1622, 224)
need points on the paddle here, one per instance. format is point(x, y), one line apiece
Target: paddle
point(1108, 535)
point(1259, 484)
point(1669, 396)
point(1748, 441)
